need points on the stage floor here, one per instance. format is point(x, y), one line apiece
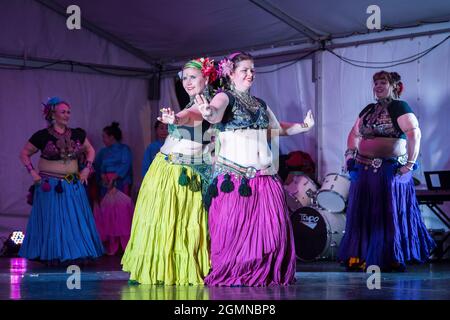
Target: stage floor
point(323, 280)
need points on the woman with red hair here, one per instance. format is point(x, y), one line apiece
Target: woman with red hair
point(384, 226)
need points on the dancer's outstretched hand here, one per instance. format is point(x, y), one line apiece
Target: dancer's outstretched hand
point(309, 120)
point(168, 116)
point(203, 106)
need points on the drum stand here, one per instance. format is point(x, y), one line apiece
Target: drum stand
point(334, 246)
point(313, 196)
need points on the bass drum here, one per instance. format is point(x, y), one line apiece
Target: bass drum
point(317, 233)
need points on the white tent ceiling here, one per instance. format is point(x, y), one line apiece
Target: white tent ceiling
point(163, 33)
point(165, 30)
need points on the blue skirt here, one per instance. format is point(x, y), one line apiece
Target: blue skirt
point(61, 226)
point(384, 225)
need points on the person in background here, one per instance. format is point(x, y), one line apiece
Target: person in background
point(113, 166)
point(154, 147)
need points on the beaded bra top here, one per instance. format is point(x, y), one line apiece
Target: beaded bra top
point(244, 112)
point(377, 122)
point(61, 146)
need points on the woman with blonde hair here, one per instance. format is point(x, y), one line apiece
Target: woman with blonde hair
point(169, 238)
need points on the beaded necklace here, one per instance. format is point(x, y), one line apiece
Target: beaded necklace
point(246, 99)
point(63, 143)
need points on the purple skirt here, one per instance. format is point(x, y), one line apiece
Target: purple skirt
point(252, 242)
point(384, 225)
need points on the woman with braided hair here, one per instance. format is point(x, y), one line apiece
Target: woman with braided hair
point(169, 238)
point(384, 225)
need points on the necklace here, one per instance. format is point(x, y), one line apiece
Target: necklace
point(246, 99)
point(63, 143)
point(384, 101)
point(192, 101)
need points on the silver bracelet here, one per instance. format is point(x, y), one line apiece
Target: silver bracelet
point(410, 129)
point(209, 116)
point(29, 167)
point(351, 152)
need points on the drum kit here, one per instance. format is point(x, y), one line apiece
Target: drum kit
point(317, 214)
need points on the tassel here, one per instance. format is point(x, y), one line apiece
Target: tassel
point(207, 201)
point(183, 180)
point(58, 187)
point(227, 185)
point(244, 188)
point(212, 189)
point(195, 185)
point(45, 186)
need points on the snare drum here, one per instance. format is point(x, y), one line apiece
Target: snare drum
point(333, 194)
point(317, 233)
point(301, 187)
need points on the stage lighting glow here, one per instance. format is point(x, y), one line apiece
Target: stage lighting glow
point(17, 237)
point(12, 244)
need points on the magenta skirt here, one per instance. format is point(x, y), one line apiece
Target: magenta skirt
point(113, 219)
point(252, 242)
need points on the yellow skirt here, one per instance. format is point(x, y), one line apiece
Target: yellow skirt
point(169, 242)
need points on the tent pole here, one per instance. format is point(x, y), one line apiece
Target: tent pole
point(318, 112)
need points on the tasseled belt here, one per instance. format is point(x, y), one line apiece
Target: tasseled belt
point(228, 167)
point(193, 182)
point(70, 178)
point(45, 184)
